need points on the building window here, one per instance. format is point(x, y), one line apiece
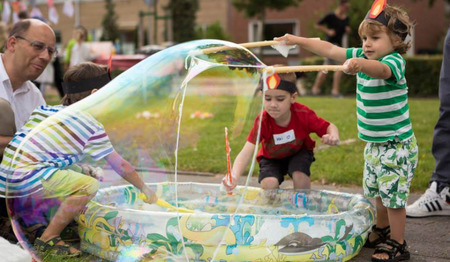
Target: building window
point(273, 28)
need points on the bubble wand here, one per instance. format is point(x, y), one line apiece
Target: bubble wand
point(280, 46)
point(227, 147)
point(165, 204)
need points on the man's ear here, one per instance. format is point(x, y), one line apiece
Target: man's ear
point(11, 43)
point(94, 90)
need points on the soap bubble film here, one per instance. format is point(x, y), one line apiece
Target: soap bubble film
point(159, 115)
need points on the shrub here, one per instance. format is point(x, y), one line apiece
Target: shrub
point(422, 75)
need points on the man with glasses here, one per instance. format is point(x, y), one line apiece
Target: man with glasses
point(29, 48)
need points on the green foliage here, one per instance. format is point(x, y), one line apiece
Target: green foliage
point(213, 31)
point(183, 13)
point(357, 13)
point(419, 68)
point(109, 23)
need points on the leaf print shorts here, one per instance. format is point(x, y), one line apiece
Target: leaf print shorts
point(388, 170)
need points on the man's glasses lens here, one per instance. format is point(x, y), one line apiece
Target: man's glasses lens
point(39, 46)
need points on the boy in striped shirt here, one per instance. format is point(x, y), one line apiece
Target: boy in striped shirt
point(391, 152)
point(35, 162)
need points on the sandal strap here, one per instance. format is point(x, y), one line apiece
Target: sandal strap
point(382, 232)
point(395, 245)
point(51, 244)
point(44, 245)
point(394, 248)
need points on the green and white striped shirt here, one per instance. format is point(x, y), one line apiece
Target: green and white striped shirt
point(382, 104)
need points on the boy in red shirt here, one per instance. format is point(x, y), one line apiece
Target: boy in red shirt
point(286, 146)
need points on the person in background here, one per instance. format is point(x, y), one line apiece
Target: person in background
point(436, 200)
point(70, 44)
point(80, 51)
point(334, 25)
point(3, 36)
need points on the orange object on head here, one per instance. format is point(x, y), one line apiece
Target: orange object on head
point(273, 81)
point(377, 7)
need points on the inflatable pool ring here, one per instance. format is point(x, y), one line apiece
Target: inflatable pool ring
point(285, 225)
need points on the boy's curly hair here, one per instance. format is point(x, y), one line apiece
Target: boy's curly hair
point(398, 17)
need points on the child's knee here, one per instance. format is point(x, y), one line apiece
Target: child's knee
point(269, 183)
point(299, 175)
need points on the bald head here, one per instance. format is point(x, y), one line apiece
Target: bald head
point(21, 27)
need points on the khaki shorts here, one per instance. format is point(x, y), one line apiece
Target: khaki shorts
point(388, 171)
point(67, 182)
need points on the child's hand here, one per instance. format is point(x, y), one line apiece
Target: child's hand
point(330, 140)
point(95, 172)
point(352, 66)
point(288, 39)
point(229, 186)
point(150, 196)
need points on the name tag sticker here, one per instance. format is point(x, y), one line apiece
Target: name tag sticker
point(284, 138)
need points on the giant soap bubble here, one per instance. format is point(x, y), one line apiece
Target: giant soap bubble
point(167, 116)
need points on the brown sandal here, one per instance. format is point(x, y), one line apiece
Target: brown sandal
point(51, 246)
point(383, 235)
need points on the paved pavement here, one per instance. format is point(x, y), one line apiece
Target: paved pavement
point(428, 238)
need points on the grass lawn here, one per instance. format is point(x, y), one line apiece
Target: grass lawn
point(341, 165)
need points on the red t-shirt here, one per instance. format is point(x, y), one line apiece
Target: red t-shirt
point(278, 142)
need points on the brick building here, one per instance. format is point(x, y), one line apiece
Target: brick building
point(431, 22)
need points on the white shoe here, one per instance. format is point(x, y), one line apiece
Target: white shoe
point(431, 203)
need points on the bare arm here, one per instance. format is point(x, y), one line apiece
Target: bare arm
point(127, 171)
point(318, 47)
point(326, 30)
point(240, 163)
point(332, 135)
point(348, 29)
point(372, 68)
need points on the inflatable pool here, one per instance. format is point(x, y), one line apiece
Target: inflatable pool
point(249, 225)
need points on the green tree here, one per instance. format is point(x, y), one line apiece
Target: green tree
point(183, 13)
point(257, 8)
point(213, 31)
point(110, 28)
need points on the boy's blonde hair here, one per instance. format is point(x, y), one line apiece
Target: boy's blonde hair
point(395, 32)
point(76, 73)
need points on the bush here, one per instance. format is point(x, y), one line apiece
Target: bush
point(422, 75)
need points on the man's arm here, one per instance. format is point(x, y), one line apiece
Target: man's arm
point(326, 30)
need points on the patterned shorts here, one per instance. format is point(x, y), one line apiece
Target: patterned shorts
point(388, 171)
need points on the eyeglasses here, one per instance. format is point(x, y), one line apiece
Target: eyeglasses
point(39, 46)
